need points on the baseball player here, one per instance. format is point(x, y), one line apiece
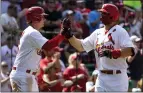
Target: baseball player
point(111, 44)
point(32, 43)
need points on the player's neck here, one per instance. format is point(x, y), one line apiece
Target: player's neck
point(36, 27)
point(108, 27)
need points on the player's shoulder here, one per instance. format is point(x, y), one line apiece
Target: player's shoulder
point(120, 29)
point(30, 30)
point(100, 30)
point(97, 32)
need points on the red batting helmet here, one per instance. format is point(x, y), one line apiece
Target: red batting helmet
point(35, 14)
point(112, 10)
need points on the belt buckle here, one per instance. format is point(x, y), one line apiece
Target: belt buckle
point(106, 72)
point(114, 72)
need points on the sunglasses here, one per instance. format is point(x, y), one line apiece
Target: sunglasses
point(4, 66)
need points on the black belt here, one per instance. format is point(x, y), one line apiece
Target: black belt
point(110, 71)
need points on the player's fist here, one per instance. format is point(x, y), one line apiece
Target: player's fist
point(66, 23)
point(110, 53)
point(105, 53)
point(66, 28)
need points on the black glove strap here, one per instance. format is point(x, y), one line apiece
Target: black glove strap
point(107, 53)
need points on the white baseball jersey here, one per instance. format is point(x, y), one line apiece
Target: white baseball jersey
point(8, 55)
point(115, 38)
point(31, 42)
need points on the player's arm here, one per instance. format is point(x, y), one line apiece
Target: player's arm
point(76, 43)
point(53, 42)
point(126, 49)
point(129, 51)
point(79, 44)
point(126, 44)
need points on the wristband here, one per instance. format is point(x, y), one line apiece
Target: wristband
point(116, 53)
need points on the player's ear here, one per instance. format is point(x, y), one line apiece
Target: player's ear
point(43, 53)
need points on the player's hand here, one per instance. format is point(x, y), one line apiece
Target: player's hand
point(110, 53)
point(80, 76)
point(106, 53)
point(66, 28)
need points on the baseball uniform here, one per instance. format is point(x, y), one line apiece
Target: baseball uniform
point(27, 60)
point(115, 38)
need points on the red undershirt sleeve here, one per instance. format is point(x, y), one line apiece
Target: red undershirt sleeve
point(53, 42)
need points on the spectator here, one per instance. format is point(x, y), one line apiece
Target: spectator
point(75, 26)
point(94, 16)
point(81, 6)
point(52, 80)
point(90, 85)
point(6, 3)
point(77, 31)
point(58, 5)
point(126, 26)
point(55, 82)
point(22, 19)
point(2, 35)
point(9, 52)
point(51, 56)
point(135, 30)
point(135, 62)
point(141, 30)
point(54, 16)
point(72, 5)
point(120, 6)
point(84, 11)
point(29, 3)
point(43, 64)
point(56, 58)
point(5, 83)
point(75, 73)
point(9, 22)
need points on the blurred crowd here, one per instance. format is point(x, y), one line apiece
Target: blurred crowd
point(63, 63)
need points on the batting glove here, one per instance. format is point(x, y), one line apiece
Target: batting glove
point(66, 29)
point(110, 53)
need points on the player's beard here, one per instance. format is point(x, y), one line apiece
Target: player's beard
point(106, 20)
